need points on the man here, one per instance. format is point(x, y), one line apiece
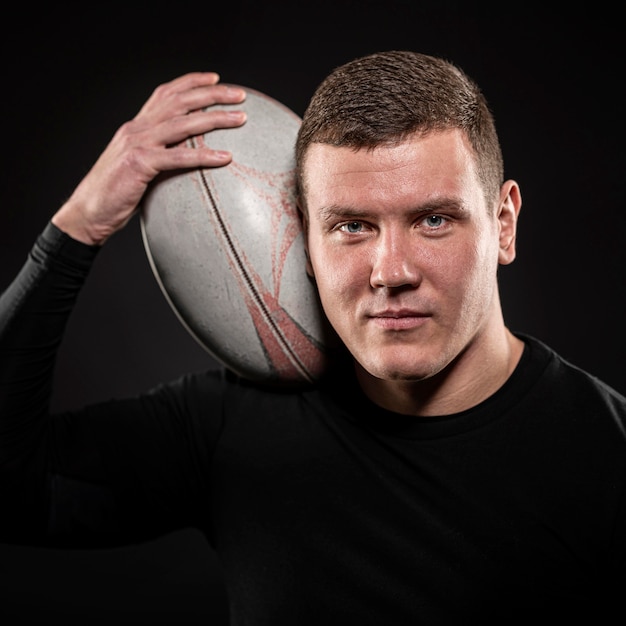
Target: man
point(447, 472)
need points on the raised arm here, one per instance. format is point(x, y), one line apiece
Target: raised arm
point(152, 142)
point(35, 307)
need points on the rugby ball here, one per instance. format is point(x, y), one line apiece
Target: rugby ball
point(227, 249)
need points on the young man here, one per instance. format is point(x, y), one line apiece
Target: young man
point(448, 472)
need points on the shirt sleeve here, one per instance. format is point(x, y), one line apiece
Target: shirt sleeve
point(118, 471)
point(34, 310)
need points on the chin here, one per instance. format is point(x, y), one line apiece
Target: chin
point(398, 370)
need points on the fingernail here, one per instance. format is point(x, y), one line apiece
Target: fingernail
point(236, 91)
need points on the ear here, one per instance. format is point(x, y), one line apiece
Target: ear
point(304, 222)
point(508, 212)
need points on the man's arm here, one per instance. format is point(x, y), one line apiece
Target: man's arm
point(35, 308)
point(150, 143)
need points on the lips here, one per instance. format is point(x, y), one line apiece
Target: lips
point(399, 319)
point(398, 313)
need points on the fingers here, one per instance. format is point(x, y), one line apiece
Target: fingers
point(177, 129)
point(155, 148)
point(188, 93)
point(171, 90)
point(180, 109)
point(152, 142)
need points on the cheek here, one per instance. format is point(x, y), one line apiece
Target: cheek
point(338, 270)
point(454, 271)
point(472, 274)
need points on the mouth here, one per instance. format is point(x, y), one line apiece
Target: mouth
point(401, 319)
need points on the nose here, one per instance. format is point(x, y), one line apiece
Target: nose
point(394, 262)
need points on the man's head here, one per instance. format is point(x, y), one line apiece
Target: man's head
point(406, 219)
point(387, 96)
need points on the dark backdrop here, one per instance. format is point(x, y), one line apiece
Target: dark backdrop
point(72, 76)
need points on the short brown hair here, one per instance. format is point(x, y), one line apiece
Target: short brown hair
point(386, 96)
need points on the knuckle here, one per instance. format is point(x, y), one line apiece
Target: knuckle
point(161, 90)
point(126, 131)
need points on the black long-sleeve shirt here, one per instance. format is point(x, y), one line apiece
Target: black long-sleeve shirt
point(324, 508)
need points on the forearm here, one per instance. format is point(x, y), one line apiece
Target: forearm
point(34, 311)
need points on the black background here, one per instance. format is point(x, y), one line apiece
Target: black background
point(72, 76)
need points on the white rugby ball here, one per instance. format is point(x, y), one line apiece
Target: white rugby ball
point(226, 247)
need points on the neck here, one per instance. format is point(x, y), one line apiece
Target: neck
point(477, 373)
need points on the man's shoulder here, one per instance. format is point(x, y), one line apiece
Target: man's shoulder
point(571, 384)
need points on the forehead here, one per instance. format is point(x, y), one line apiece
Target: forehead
point(437, 164)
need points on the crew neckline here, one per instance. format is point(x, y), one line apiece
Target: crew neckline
point(356, 407)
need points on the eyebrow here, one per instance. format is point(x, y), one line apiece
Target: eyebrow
point(334, 211)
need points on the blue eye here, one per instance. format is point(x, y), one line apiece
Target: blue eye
point(352, 227)
point(434, 221)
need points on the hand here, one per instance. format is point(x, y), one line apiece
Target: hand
point(152, 142)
